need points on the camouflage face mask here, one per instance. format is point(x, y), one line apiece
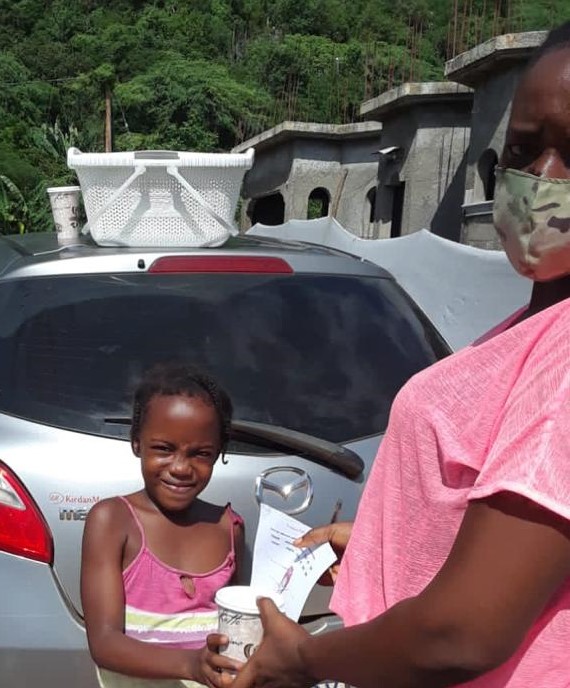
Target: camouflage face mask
point(532, 218)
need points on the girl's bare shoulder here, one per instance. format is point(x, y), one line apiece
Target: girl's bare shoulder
point(111, 514)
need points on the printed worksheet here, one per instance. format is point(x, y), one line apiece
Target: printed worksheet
point(279, 566)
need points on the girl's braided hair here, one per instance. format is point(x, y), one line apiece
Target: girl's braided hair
point(172, 379)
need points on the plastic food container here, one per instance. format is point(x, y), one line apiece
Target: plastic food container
point(238, 618)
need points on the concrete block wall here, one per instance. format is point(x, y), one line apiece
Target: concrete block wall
point(429, 124)
point(296, 158)
point(435, 174)
point(447, 135)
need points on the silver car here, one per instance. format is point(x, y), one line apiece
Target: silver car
point(312, 345)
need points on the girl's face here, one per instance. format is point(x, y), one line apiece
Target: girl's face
point(178, 446)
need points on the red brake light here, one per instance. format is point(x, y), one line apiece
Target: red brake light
point(252, 264)
point(23, 530)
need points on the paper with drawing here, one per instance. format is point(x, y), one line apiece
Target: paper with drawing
point(279, 566)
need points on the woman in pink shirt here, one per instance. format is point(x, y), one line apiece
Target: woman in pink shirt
point(457, 570)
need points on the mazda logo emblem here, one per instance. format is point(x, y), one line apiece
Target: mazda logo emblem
point(286, 482)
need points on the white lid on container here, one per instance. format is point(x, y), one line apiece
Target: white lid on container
point(243, 598)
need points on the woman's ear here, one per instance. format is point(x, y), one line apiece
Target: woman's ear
point(135, 446)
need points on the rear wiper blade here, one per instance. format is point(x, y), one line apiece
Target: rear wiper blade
point(324, 452)
point(328, 453)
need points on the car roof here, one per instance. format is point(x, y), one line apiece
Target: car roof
point(40, 255)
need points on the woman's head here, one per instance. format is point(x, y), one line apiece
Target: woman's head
point(181, 423)
point(532, 200)
point(538, 140)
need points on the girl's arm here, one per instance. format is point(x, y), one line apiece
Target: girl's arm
point(509, 559)
point(102, 595)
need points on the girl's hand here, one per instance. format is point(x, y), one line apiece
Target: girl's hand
point(338, 535)
point(207, 666)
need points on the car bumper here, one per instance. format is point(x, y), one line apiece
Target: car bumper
point(42, 643)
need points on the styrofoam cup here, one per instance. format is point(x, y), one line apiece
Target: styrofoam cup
point(65, 207)
point(239, 619)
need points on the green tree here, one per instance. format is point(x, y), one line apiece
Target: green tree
point(13, 207)
point(186, 105)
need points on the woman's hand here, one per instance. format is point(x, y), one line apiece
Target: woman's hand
point(338, 535)
point(207, 666)
point(277, 662)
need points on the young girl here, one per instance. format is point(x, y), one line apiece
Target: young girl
point(153, 560)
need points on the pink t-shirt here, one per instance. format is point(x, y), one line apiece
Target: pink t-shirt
point(493, 417)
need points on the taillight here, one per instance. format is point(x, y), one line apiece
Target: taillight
point(23, 530)
point(251, 264)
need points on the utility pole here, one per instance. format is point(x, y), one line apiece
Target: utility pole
point(108, 121)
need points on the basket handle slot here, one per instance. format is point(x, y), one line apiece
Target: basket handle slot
point(136, 173)
point(157, 155)
point(200, 200)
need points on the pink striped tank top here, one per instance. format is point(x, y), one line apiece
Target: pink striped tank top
point(158, 609)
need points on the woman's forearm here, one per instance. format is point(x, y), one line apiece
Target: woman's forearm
point(397, 649)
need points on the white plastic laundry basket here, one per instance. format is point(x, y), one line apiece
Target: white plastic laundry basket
point(160, 198)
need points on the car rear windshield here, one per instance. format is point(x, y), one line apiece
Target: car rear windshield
point(320, 354)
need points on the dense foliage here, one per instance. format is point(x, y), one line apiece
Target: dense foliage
point(205, 74)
